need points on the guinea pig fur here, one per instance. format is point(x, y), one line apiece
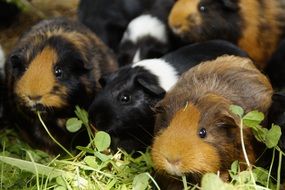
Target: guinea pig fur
point(55, 66)
point(255, 26)
point(275, 69)
point(148, 35)
point(124, 107)
point(110, 18)
point(195, 129)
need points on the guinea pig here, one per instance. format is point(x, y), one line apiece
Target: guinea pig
point(109, 18)
point(124, 107)
point(55, 66)
point(276, 69)
point(195, 130)
point(255, 26)
point(148, 35)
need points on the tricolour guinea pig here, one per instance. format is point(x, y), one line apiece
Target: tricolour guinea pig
point(255, 26)
point(124, 108)
point(109, 18)
point(148, 35)
point(54, 67)
point(195, 130)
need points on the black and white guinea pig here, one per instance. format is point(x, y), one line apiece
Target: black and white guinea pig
point(255, 26)
point(275, 69)
point(124, 108)
point(148, 35)
point(109, 18)
point(55, 66)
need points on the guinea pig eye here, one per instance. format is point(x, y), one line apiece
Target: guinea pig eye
point(124, 98)
point(202, 8)
point(58, 72)
point(202, 133)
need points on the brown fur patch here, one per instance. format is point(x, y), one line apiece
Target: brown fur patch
point(257, 41)
point(178, 17)
point(180, 150)
point(39, 80)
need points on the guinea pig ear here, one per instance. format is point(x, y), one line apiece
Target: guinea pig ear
point(104, 80)
point(150, 87)
point(231, 4)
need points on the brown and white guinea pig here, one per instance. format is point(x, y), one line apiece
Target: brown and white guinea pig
point(195, 130)
point(54, 67)
point(148, 35)
point(124, 107)
point(255, 26)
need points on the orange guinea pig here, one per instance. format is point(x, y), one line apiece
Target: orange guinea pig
point(54, 67)
point(196, 132)
point(255, 26)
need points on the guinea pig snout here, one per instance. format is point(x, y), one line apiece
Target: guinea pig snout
point(183, 14)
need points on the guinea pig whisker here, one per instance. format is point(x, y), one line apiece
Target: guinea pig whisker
point(135, 137)
point(146, 131)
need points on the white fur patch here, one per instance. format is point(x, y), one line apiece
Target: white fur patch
point(2, 60)
point(166, 74)
point(137, 56)
point(145, 25)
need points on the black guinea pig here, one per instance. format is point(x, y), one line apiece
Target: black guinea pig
point(109, 18)
point(255, 26)
point(196, 133)
point(55, 66)
point(124, 108)
point(148, 35)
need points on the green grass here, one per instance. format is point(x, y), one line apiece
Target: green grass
point(95, 167)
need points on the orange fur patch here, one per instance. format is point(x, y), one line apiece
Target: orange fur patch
point(178, 17)
point(260, 44)
point(39, 80)
point(179, 149)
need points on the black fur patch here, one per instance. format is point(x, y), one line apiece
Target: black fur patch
point(130, 122)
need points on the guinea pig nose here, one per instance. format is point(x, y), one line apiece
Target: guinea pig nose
point(34, 98)
point(177, 28)
point(173, 161)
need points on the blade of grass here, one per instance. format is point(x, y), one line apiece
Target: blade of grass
point(42, 169)
point(270, 168)
point(36, 170)
point(45, 127)
point(279, 170)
